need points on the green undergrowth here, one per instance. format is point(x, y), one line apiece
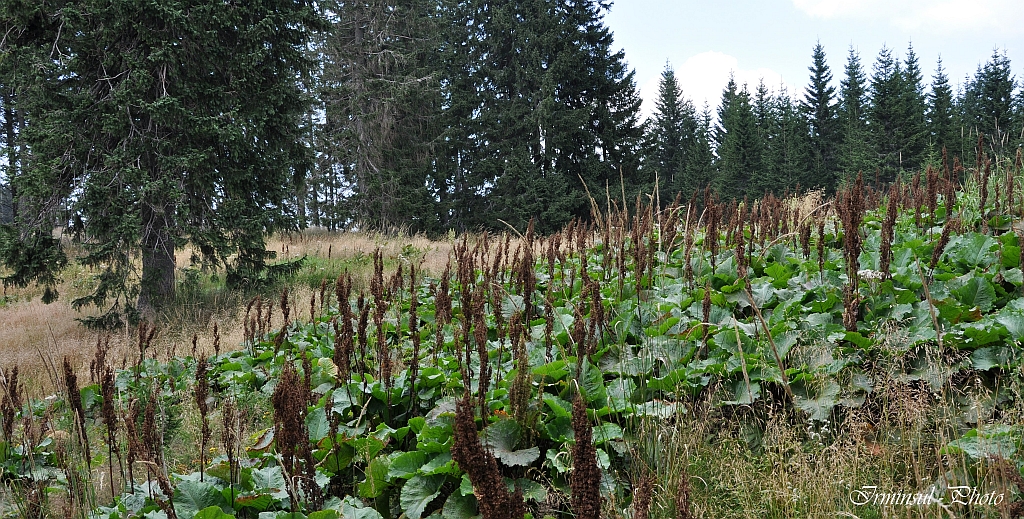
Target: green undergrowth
point(746, 390)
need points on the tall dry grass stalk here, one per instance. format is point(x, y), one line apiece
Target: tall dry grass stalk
point(202, 393)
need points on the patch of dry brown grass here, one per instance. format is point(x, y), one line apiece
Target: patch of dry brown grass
point(33, 334)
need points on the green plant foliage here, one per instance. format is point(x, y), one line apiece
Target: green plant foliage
point(636, 344)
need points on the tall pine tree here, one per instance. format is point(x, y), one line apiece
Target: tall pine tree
point(914, 131)
point(790, 154)
point(558, 109)
point(700, 158)
point(988, 103)
point(380, 95)
point(739, 146)
point(819, 106)
point(855, 153)
point(942, 132)
point(886, 114)
point(673, 131)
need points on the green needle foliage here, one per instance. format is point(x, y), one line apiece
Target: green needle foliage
point(176, 125)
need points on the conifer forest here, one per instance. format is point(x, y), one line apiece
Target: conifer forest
point(429, 258)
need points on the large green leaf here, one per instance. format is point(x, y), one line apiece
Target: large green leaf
point(779, 273)
point(192, 496)
point(558, 406)
point(418, 492)
point(1013, 321)
point(440, 464)
point(435, 437)
point(501, 437)
point(973, 250)
point(316, 423)
point(270, 479)
point(376, 478)
point(816, 399)
point(606, 432)
point(212, 512)
point(554, 370)
point(531, 489)
point(1010, 256)
point(460, 507)
point(335, 460)
point(619, 392)
point(405, 465)
point(591, 383)
point(984, 359)
point(258, 502)
point(352, 508)
point(744, 394)
point(977, 292)
point(1014, 276)
point(998, 440)
point(658, 409)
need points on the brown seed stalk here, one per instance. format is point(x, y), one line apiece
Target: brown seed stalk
point(493, 498)
point(888, 225)
point(585, 476)
point(202, 392)
point(682, 497)
point(943, 241)
point(642, 496)
point(75, 402)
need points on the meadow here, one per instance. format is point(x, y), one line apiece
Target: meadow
point(801, 356)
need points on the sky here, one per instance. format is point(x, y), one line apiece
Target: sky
point(705, 40)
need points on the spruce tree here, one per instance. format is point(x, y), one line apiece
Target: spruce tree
point(381, 99)
point(855, 153)
point(673, 130)
point(941, 130)
point(558, 108)
point(699, 167)
point(818, 106)
point(765, 179)
point(988, 103)
point(885, 115)
point(160, 125)
point(739, 146)
point(460, 144)
point(790, 158)
point(914, 131)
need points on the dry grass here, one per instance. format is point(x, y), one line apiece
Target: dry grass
point(332, 245)
point(33, 334)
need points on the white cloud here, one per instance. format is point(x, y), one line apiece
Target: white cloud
point(833, 8)
point(935, 16)
point(703, 77)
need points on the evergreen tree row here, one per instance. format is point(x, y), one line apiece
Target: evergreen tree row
point(467, 115)
point(884, 125)
point(145, 129)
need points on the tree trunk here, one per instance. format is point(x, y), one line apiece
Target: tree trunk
point(12, 159)
point(157, 260)
point(301, 192)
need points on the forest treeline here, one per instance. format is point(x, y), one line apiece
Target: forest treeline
point(141, 127)
point(432, 115)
